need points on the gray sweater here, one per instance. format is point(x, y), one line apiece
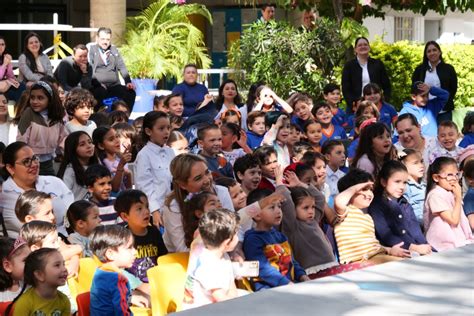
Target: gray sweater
point(25, 71)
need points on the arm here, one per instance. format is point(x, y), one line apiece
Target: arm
point(174, 234)
point(341, 201)
point(145, 181)
point(242, 142)
point(120, 295)
point(442, 97)
point(286, 107)
point(288, 209)
point(453, 217)
point(120, 172)
point(122, 68)
point(25, 70)
point(61, 74)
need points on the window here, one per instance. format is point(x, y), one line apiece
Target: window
point(404, 28)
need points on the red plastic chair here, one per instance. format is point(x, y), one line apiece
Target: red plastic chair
point(83, 304)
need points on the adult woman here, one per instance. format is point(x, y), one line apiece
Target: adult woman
point(190, 175)
point(8, 83)
point(22, 170)
point(33, 64)
point(8, 130)
point(361, 71)
point(228, 98)
point(191, 91)
point(435, 72)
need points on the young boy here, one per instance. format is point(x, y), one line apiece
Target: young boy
point(332, 96)
point(448, 135)
point(237, 194)
point(355, 235)
point(270, 247)
point(210, 142)
point(247, 171)
point(334, 152)
point(323, 114)
point(79, 105)
point(267, 159)
point(40, 234)
point(423, 109)
point(132, 207)
point(159, 104)
point(210, 277)
point(256, 129)
point(302, 105)
point(175, 105)
point(99, 184)
point(110, 291)
point(299, 149)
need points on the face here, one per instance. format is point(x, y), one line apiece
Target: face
point(238, 196)
point(92, 220)
point(38, 100)
point(161, 107)
point(284, 132)
point(324, 115)
point(382, 144)
point(258, 126)
point(420, 99)
point(251, 178)
point(212, 203)
point(308, 19)
point(103, 39)
point(363, 198)
point(232, 119)
point(124, 256)
point(369, 112)
point(62, 94)
point(160, 132)
point(314, 133)
point(51, 240)
point(433, 54)
point(83, 112)
point(230, 91)
point(180, 146)
point(333, 97)
point(448, 177)
point(45, 212)
point(34, 45)
point(294, 137)
point(362, 47)
point(268, 13)
point(212, 142)
point(26, 167)
point(337, 156)
point(176, 106)
point(395, 184)
point(16, 264)
point(55, 272)
point(80, 56)
point(3, 106)
point(228, 138)
point(415, 166)
point(111, 142)
point(267, 97)
point(447, 136)
point(408, 134)
point(200, 178)
point(373, 97)
point(303, 110)
point(306, 209)
point(2, 46)
point(85, 147)
point(309, 177)
point(270, 215)
point(139, 215)
point(269, 167)
point(190, 75)
point(101, 188)
point(320, 171)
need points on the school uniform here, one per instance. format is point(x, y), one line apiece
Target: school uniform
point(337, 132)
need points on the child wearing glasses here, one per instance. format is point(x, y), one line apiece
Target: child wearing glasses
point(446, 225)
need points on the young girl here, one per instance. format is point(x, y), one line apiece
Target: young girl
point(230, 116)
point(44, 272)
point(232, 134)
point(375, 147)
point(268, 101)
point(107, 145)
point(416, 186)
point(8, 131)
point(394, 219)
point(115, 117)
point(79, 105)
point(128, 137)
point(314, 133)
point(153, 172)
point(82, 219)
point(374, 94)
point(446, 225)
point(318, 163)
point(178, 143)
point(278, 132)
point(41, 125)
point(78, 155)
point(12, 257)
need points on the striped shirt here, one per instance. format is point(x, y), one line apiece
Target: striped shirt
point(355, 236)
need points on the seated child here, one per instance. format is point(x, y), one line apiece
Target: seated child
point(334, 152)
point(468, 173)
point(175, 105)
point(115, 117)
point(416, 186)
point(323, 114)
point(267, 159)
point(359, 124)
point(268, 101)
point(159, 104)
point(79, 105)
point(121, 106)
point(210, 277)
point(247, 172)
point(445, 146)
point(302, 105)
point(332, 96)
point(355, 234)
point(98, 180)
point(299, 149)
point(238, 196)
point(82, 218)
point(468, 130)
point(256, 129)
point(317, 161)
point(132, 207)
point(12, 256)
point(314, 133)
point(234, 142)
point(277, 125)
point(270, 247)
point(178, 143)
point(294, 137)
point(374, 94)
point(176, 122)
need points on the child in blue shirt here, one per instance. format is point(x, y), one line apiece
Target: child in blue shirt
point(324, 115)
point(301, 104)
point(256, 129)
point(468, 130)
point(332, 96)
point(210, 142)
point(468, 172)
point(416, 188)
point(388, 114)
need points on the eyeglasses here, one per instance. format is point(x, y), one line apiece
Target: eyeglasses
point(28, 162)
point(450, 176)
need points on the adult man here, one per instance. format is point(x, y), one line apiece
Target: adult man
point(106, 63)
point(268, 12)
point(309, 17)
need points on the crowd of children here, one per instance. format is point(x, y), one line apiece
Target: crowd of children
point(299, 186)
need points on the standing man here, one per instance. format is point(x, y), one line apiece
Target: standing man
point(309, 18)
point(268, 12)
point(106, 64)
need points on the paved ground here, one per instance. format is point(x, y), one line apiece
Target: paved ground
point(440, 284)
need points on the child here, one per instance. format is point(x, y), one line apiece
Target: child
point(78, 155)
point(293, 138)
point(317, 161)
point(375, 147)
point(210, 277)
point(416, 186)
point(355, 234)
point(232, 135)
point(256, 129)
point(301, 105)
point(121, 106)
point(40, 234)
point(468, 130)
point(159, 104)
point(41, 125)
point(132, 207)
point(238, 196)
point(137, 124)
point(278, 131)
point(332, 97)
point(268, 101)
point(178, 143)
point(334, 152)
point(267, 159)
point(44, 272)
point(152, 164)
point(110, 291)
point(127, 136)
point(82, 218)
point(446, 225)
point(423, 109)
point(247, 172)
point(394, 219)
point(115, 117)
point(230, 116)
point(323, 114)
point(374, 94)
point(210, 142)
point(446, 145)
point(270, 247)
point(175, 105)
point(314, 134)
point(34, 205)
point(176, 122)
point(99, 184)
point(107, 145)
point(299, 149)
point(12, 257)
point(79, 105)
point(368, 109)
point(359, 122)
point(468, 173)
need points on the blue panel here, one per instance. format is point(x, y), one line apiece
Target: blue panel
point(233, 22)
point(219, 60)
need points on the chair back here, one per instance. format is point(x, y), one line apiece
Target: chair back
point(83, 301)
point(181, 258)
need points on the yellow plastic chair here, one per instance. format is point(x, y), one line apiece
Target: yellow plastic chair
point(181, 258)
point(166, 287)
point(83, 282)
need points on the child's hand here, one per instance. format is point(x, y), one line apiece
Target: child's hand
point(126, 156)
point(424, 87)
point(421, 249)
point(279, 122)
point(457, 190)
point(398, 251)
point(304, 278)
point(278, 175)
point(363, 186)
point(139, 300)
point(293, 180)
point(73, 267)
point(208, 98)
point(242, 141)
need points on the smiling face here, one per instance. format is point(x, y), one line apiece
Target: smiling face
point(333, 97)
point(80, 56)
point(433, 54)
point(303, 110)
point(38, 100)
point(54, 273)
point(306, 209)
point(395, 185)
point(34, 45)
point(176, 106)
point(238, 196)
point(409, 135)
point(324, 115)
point(447, 137)
point(211, 143)
point(23, 175)
point(101, 188)
point(212, 203)
point(314, 133)
point(190, 75)
point(382, 144)
point(362, 48)
point(270, 165)
point(363, 198)
point(200, 178)
point(284, 132)
point(229, 92)
point(415, 166)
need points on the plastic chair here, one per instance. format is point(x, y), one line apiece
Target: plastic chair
point(181, 258)
point(83, 301)
point(83, 282)
point(166, 287)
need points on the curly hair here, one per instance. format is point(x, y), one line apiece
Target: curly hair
point(78, 97)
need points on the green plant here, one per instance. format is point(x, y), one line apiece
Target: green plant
point(161, 40)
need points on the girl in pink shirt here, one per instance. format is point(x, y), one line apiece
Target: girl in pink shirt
point(445, 223)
